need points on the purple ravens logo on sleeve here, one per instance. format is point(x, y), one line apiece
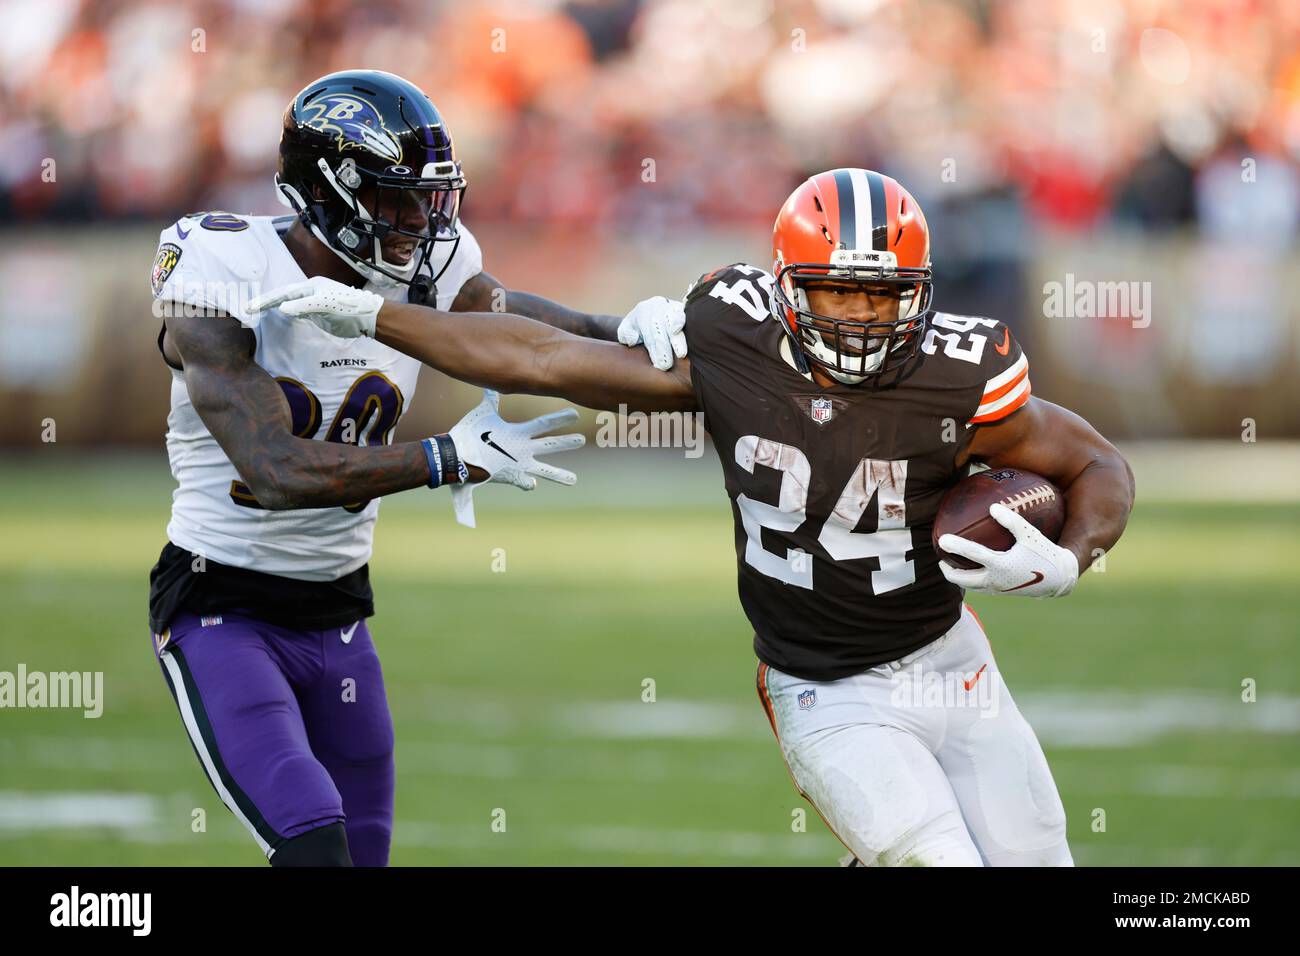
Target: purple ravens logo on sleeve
point(355, 124)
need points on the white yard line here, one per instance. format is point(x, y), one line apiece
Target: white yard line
point(1061, 718)
point(136, 818)
point(1069, 718)
point(22, 812)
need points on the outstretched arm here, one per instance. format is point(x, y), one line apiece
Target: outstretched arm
point(495, 350)
point(515, 354)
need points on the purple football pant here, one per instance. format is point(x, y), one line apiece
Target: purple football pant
point(292, 727)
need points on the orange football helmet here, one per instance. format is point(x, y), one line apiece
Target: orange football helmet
point(852, 225)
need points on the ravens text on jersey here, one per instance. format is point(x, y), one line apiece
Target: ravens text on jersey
point(309, 565)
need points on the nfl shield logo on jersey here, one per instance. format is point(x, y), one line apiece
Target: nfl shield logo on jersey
point(807, 698)
point(821, 410)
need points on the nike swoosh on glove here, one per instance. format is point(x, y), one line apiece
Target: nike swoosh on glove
point(507, 450)
point(1032, 567)
point(658, 324)
point(337, 308)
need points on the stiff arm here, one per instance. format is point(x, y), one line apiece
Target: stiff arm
point(511, 353)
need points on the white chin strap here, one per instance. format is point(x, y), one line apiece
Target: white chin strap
point(851, 362)
point(290, 197)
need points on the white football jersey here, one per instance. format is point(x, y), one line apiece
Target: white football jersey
point(353, 390)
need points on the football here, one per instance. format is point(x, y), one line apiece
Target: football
point(964, 510)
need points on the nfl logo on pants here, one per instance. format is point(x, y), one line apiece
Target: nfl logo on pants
point(807, 698)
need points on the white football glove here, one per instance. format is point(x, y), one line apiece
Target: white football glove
point(507, 450)
point(1033, 566)
point(656, 323)
point(337, 308)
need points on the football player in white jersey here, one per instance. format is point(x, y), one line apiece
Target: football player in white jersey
point(279, 438)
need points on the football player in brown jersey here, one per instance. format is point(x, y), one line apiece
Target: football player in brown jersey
point(843, 407)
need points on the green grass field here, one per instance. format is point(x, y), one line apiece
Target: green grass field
point(527, 697)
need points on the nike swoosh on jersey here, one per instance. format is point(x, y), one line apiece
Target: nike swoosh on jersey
point(1006, 343)
point(974, 680)
point(181, 232)
point(346, 633)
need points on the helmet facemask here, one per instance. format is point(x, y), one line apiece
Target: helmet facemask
point(356, 232)
point(851, 351)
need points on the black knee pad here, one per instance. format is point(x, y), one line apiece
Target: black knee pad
point(324, 846)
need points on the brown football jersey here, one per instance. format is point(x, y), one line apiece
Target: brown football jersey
point(834, 490)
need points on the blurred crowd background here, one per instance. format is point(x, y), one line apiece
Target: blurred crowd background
point(617, 148)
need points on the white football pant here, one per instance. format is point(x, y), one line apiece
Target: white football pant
point(924, 761)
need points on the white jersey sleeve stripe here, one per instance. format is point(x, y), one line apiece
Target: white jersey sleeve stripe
point(1016, 396)
point(1001, 379)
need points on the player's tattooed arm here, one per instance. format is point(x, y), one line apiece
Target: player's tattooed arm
point(484, 293)
point(1059, 445)
point(511, 353)
point(247, 413)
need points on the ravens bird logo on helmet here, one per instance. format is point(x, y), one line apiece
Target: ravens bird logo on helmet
point(368, 164)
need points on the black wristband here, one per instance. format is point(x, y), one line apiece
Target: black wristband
point(453, 469)
point(433, 456)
